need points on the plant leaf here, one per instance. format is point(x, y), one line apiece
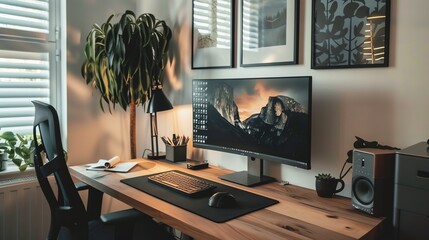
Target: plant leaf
point(362, 12)
point(17, 161)
point(349, 9)
point(23, 167)
point(8, 136)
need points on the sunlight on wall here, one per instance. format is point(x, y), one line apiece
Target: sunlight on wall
point(384, 104)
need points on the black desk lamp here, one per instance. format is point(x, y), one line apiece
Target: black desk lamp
point(157, 103)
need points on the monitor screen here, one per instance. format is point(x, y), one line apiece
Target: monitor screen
point(265, 118)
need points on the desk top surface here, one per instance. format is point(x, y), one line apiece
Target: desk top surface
point(300, 213)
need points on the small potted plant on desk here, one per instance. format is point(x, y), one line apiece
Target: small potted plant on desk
point(326, 185)
point(17, 148)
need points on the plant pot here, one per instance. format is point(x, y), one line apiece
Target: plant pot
point(328, 187)
point(3, 162)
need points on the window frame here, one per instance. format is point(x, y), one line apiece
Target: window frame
point(54, 42)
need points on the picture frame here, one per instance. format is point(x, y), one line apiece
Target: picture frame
point(213, 32)
point(269, 32)
point(350, 34)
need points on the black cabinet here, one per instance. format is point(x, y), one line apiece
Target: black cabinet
point(411, 199)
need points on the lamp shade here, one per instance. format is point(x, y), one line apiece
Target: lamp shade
point(158, 102)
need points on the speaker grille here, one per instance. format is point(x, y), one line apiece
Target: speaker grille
point(363, 190)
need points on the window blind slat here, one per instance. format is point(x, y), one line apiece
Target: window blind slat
point(16, 122)
point(19, 102)
point(23, 130)
point(26, 75)
point(16, 112)
point(24, 24)
point(26, 84)
point(32, 4)
point(23, 92)
point(22, 12)
point(25, 65)
point(23, 56)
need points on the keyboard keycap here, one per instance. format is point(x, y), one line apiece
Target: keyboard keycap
point(181, 182)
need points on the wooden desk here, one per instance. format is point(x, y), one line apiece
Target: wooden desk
point(301, 214)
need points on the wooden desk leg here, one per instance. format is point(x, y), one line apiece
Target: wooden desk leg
point(95, 200)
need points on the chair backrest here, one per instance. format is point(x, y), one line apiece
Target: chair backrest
point(67, 208)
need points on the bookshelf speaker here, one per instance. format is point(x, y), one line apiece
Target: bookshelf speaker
point(372, 181)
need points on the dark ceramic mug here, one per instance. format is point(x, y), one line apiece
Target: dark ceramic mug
point(328, 187)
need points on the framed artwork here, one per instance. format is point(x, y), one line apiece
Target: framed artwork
point(269, 32)
point(212, 34)
point(350, 33)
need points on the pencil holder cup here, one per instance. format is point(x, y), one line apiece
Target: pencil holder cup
point(175, 153)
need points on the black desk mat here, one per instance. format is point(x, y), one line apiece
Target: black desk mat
point(246, 202)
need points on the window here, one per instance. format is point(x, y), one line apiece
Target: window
point(29, 60)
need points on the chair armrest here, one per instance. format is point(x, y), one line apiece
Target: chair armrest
point(123, 216)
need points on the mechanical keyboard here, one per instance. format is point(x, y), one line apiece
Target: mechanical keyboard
point(181, 182)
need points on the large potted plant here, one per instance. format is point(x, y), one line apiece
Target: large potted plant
point(124, 60)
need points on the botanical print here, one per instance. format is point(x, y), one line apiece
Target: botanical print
point(349, 33)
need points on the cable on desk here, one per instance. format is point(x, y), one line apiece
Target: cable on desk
point(147, 149)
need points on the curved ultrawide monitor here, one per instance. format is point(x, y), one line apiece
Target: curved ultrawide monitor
point(265, 118)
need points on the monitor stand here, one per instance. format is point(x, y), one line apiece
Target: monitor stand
point(252, 177)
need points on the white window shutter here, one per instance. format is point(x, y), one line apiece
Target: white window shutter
point(25, 55)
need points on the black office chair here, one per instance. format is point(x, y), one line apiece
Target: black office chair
point(69, 218)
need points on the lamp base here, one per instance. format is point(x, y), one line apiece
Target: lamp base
point(160, 155)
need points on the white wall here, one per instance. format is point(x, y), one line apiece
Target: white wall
point(388, 105)
point(92, 134)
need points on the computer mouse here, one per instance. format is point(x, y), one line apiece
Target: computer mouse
point(222, 200)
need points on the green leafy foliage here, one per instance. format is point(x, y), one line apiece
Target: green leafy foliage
point(124, 59)
point(324, 176)
point(18, 147)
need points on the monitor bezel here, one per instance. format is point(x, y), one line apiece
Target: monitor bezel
point(304, 164)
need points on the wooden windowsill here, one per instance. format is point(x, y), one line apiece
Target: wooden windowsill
point(12, 175)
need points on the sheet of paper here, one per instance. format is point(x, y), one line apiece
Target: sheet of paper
point(122, 167)
point(112, 162)
point(114, 165)
point(102, 164)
